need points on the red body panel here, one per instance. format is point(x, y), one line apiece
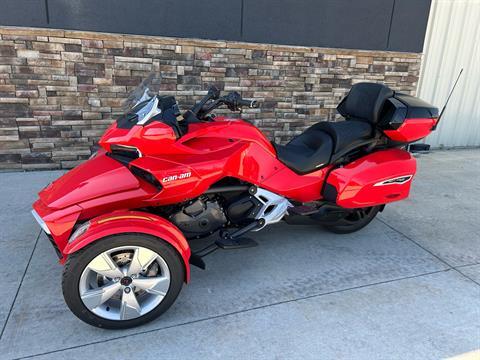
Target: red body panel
point(118, 222)
point(150, 138)
point(412, 130)
point(59, 222)
point(208, 153)
point(358, 184)
point(103, 187)
point(214, 150)
point(99, 176)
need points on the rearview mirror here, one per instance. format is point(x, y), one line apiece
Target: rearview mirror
point(213, 92)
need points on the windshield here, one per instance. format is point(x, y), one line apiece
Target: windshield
point(142, 101)
point(148, 88)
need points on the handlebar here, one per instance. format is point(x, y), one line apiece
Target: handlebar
point(212, 100)
point(212, 94)
point(234, 101)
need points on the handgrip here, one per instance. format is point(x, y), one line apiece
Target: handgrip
point(248, 103)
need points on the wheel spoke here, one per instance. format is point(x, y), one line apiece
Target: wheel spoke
point(96, 297)
point(153, 285)
point(115, 285)
point(141, 259)
point(130, 307)
point(104, 265)
point(351, 218)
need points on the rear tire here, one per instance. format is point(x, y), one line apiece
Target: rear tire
point(355, 221)
point(152, 292)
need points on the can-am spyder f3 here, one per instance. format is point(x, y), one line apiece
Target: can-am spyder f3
point(122, 221)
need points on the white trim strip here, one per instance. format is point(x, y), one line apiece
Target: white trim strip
point(399, 180)
point(41, 222)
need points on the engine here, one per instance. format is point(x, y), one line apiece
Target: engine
point(210, 213)
point(201, 218)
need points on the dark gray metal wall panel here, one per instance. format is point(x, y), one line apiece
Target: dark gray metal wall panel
point(212, 19)
point(331, 23)
point(357, 24)
point(23, 13)
point(409, 24)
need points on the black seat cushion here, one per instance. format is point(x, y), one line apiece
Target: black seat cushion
point(346, 134)
point(364, 102)
point(307, 152)
point(314, 148)
point(328, 141)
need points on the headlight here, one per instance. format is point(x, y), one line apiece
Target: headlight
point(40, 222)
point(79, 231)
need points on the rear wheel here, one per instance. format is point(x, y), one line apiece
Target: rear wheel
point(354, 221)
point(122, 281)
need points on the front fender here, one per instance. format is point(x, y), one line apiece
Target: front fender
point(132, 222)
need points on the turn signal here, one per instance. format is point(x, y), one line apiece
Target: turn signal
point(79, 231)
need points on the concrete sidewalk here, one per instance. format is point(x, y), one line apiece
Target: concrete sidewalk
point(405, 287)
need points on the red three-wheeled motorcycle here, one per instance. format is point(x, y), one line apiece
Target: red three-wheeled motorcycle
point(122, 221)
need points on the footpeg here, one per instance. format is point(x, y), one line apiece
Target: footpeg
point(197, 261)
point(234, 240)
point(235, 243)
point(303, 210)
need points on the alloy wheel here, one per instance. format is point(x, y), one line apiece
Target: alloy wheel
point(354, 221)
point(358, 215)
point(124, 283)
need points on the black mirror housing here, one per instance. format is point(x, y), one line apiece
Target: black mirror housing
point(213, 92)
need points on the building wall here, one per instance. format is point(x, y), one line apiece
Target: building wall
point(60, 89)
point(397, 25)
point(453, 43)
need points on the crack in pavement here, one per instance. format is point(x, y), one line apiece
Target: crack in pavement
point(449, 267)
point(232, 313)
point(20, 285)
point(466, 265)
point(430, 252)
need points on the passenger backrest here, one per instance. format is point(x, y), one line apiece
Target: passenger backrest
point(364, 102)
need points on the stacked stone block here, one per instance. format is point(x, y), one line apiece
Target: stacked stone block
point(59, 89)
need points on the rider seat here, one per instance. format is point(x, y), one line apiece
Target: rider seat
point(326, 141)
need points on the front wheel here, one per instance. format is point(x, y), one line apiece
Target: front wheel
point(354, 221)
point(122, 281)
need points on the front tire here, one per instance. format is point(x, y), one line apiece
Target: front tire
point(356, 220)
point(122, 281)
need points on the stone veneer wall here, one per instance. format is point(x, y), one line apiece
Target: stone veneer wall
point(60, 89)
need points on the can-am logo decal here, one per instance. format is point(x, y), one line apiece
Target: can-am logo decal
point(395, 181)
point(176, 177)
